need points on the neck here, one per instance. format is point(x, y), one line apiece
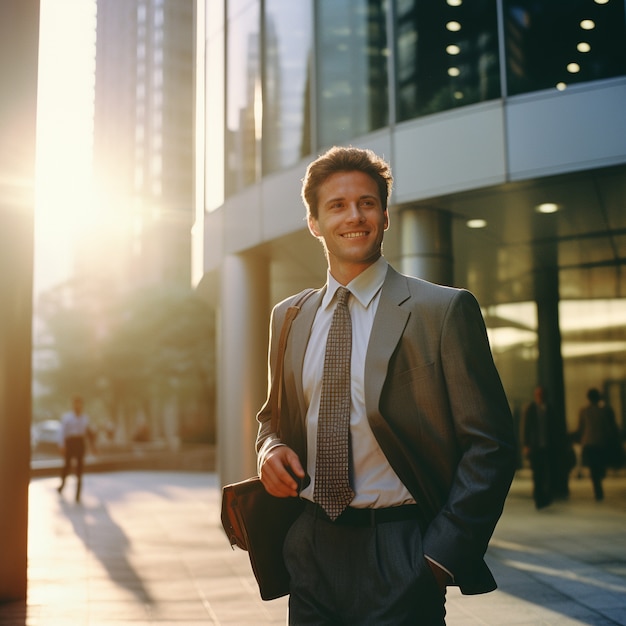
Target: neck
point(345, 273)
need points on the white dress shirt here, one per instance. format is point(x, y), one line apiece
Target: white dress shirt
point(73, 425)
point(375, 483)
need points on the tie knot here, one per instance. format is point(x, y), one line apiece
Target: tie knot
point(342, 294)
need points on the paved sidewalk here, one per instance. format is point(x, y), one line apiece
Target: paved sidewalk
point(147, 548)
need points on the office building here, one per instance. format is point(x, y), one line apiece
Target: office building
point(503, 121)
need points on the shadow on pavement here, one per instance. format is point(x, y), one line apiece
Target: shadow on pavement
point(105, 539)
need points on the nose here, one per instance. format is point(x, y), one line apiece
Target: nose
point(355, 213)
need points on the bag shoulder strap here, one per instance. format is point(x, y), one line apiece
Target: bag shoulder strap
point(276, 390)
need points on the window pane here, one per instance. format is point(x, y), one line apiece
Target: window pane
point(555, 43)
point(352, 69)
point(214, 98)
point(447, 55)
point(243, 95)
point(286, 107)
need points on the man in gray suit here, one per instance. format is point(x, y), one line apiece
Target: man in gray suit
point(431, 440)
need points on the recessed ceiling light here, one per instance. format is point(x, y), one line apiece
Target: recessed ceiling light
point(587, 25)
point(453, 71)
point(453, 27)
point(561, 86)
point(453, 49)
point(547, 207)
point(458, 3)
point(573, 68)
point(583, 46)
point(596, 1)
point(476, 223)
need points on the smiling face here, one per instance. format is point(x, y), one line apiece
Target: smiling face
point(350, 223)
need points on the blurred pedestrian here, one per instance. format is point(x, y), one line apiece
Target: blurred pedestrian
point(538, 443)
point(75, 434)
point(599, 436)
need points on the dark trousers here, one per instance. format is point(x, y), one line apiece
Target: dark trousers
point(542, 485)
point(74, 450)
point(595, 458)
point(357, 576)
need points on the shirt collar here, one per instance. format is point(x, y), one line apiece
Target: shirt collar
point(363, 287)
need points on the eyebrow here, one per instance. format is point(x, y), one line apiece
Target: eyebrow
point(362, 197)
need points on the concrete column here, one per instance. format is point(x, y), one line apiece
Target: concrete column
point(426, 241)
point(19, 42)
point(550, 360)
point(242, 362)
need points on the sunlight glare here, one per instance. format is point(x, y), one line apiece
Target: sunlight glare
point(64, 134)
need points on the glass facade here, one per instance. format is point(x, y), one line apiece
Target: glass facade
point(243, 95)
point(287, 45)
point(562, 42)
point(214, 176)
point(566, 265)
point(290, 93)
point(352, 74)
point(446, 55)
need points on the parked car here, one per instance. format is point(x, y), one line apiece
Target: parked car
point(45, 436)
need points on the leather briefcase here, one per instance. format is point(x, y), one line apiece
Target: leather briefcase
point(257, 522)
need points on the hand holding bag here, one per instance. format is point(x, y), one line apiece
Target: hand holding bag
point(253, 519)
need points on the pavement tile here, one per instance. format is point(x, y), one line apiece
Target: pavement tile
point(147, 548)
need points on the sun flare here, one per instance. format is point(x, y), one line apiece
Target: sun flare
point(64, 134)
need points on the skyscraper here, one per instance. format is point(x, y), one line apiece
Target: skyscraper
point(143, 132)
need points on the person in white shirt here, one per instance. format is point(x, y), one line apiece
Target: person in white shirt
point(74, 435)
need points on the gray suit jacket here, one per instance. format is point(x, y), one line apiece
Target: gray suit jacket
point(436, 405)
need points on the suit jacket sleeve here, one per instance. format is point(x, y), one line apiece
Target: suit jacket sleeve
point(458, 535)
point(266, 439)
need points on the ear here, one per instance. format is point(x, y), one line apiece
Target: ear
point(312, 222)
point(386, 224)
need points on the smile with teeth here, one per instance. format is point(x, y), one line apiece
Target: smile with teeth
point(353, 235)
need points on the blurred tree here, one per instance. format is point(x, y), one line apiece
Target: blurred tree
point(145, 362)
point(65, 354)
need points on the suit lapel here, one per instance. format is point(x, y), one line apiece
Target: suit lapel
point(389, 324)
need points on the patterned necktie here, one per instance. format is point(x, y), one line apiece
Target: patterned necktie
point(332, 483)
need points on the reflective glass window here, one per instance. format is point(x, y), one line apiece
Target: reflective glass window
point(556, 43)
point(286, 107)
point(352, 74)
point(243, 95)
point(214, 84)
point(446, 55)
